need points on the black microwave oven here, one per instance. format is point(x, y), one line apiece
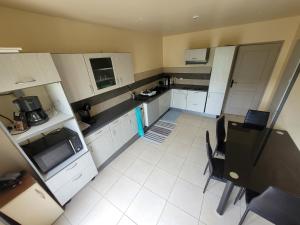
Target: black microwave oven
point(53, 149)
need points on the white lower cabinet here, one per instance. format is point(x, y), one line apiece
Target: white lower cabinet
point(179, 98)
point(214, 103)
point(101, 146)
point(33, 207)
point(151, 112)
point(164, 102)
point(71, 179)
point(116, 129)
point(104, 142)
point(196, 101)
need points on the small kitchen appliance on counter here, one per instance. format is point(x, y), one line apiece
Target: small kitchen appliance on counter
point(84, 113)
point(32, 108)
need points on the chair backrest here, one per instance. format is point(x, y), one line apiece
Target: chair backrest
point(256, 119)
point(209, 153)
point(282, 207)
point(220, 130)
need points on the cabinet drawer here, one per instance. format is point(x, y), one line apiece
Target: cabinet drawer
point(70, 171)
point(76, 182)
point(94, 135)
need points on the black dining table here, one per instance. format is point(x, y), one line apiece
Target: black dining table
point(259, 158)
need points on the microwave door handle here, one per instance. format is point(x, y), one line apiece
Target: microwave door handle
point(72, 146)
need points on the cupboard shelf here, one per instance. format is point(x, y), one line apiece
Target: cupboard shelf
point(53, 121)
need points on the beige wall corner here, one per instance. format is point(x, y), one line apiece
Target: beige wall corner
point(39, 33)
point(266, 31)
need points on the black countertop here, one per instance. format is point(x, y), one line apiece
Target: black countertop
point(101, 119)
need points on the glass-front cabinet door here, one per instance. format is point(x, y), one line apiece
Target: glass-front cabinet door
point(101, 71)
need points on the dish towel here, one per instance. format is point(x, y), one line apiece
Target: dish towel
point(139, 120)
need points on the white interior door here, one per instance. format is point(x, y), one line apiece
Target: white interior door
point(254, 65)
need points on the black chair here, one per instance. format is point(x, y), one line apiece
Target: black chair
point(276, 206)
point(221, 136)
point(215, 166)
point(256, 119)
point(249, 195)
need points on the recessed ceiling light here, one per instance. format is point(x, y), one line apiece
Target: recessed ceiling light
point(195, 17)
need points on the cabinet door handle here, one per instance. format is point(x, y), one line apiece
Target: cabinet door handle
point(76, 178)
point(40, 193)
point(27, 81)
point(75, 164)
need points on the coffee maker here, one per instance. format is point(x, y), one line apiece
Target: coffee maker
point(32, 108)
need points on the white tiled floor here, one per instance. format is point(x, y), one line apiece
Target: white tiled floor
point(152, 184)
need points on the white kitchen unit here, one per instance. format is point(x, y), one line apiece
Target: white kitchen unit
point(86, 75)
point(123, 68)
point(104, 142)
point(23, 70)
point(74, 75)
point(214, 103)
point(196, 101)
point(71, 174)
point(221, 69)
point(196, 56)
point(100, 145)
point(154, 109)
point(31, 204)
point(179, 98)
point(164, 102)
point(70, 180)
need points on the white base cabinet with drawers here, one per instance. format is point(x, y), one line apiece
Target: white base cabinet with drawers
point(65, 184)
point(104, 142)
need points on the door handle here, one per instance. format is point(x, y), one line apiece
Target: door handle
point(40, 193)
point(232, 82)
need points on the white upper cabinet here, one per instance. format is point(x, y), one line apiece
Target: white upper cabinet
point(221, 68)
point(101, 70)
point(74, 75)
point(86, 75)
point(23, 70)
point(123, 68)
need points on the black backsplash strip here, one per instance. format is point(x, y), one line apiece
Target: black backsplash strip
point(194, 76)
point(94, 100)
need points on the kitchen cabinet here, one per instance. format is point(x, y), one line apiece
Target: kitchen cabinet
point(74, 76)
point(66, 183)
point(179, 98)
point(86, 75)
point(123, 68)
point(221, 68)
point(214, 103)
point(101, 146)
point(23, 70)
point(151, 112)
point(220, 74)
point(32, 206)
point(133, 124)
point(117, 132)
point(164, 102)
point(196, 101)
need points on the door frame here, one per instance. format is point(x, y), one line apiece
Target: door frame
point(234, 64)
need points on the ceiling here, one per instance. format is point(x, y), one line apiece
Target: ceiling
point(163, 16)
